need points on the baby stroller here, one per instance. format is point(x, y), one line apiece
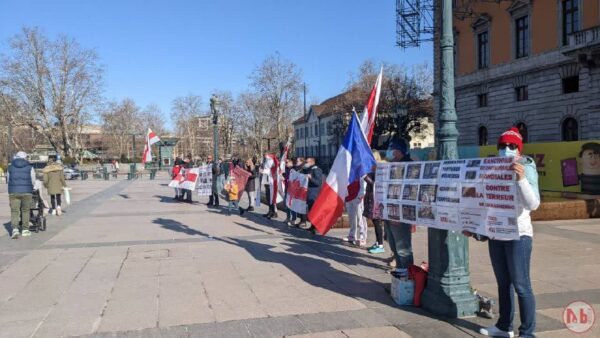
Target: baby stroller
point(37, 217)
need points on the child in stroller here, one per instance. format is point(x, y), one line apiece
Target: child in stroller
point(39, 208)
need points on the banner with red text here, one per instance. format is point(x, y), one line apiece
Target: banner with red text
point(478, 195)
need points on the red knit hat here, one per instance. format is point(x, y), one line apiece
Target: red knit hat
point(512, 136)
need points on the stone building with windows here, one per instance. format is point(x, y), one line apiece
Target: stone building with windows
point(532, 64)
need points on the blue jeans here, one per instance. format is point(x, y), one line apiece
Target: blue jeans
point(511, 260)
point(233, 205)
point(399, 237)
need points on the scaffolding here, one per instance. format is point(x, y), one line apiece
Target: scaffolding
point(414, 19)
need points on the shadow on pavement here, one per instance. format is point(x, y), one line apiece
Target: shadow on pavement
point(8, 227)
point(176, 226)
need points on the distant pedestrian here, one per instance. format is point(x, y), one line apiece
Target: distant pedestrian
point(54, 182)
point(269, 182)
point(511, 259)
point(186, 194)
point(21, 178)
point(298, 167)
point(174, 173)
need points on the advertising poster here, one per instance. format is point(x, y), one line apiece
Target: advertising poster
point(571, 169)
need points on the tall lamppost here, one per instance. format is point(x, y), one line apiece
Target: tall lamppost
point(448, 290)
point(214, 104)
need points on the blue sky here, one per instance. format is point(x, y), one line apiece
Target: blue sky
point(154, 51)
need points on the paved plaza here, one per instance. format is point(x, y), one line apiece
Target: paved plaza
point(126, 261)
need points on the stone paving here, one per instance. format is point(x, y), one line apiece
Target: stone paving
point(125, 261)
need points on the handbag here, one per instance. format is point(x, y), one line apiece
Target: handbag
point(67, 195)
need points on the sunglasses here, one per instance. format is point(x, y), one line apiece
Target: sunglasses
point(510, 146)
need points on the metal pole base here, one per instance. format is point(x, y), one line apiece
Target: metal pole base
point(448, 292)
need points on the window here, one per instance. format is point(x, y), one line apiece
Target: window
point(523, 131)
point(322, 127)
point(482, 100)
point(570, 19)
point(570, 129)
point(483, 136)
point(316, 125)
point(483, 50)
point(570, 84)
point(521, 93)
point(522, 37)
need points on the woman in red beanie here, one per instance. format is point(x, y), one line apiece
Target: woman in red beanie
point(511, 259)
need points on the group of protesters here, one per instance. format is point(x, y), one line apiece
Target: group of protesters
point(510, 259)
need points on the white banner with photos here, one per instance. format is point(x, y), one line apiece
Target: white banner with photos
point(205, 181)
point(478, 195)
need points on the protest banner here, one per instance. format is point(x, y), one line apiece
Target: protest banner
point(297, 192)
point(205, 181)
point(191, 177)
point(241, 178)
point(477, 195)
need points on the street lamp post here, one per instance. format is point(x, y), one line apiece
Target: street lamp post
point(448, 290)
point(214, 103)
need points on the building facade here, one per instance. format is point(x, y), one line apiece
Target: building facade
point(529, 63)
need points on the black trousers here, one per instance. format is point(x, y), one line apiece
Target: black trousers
point(186, 195)
point(55, 200)
point(213, 199)
point(271, 205)
point(378, 231)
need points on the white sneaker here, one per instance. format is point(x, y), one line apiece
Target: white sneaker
point(15, 234)
point(26, 233)
point(493, 331)
point(58, 211)
point(348, 239)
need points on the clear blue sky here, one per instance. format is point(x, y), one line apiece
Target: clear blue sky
point(154, 51)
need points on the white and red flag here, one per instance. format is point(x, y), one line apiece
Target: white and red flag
point(297, 192)
point(281, 170)
point(369, 115)
point(271, 177)
point(151, 138)
point(190, 178)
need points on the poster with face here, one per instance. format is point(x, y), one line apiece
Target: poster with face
point(393, 210)
point(396, 171)
point(410, 192)
point(427, 193)
point(426, 214)
point(394, 191)
point(413, 171)
point(409, 213)
point(590, 168)
point(379, 197)
point(431, 170)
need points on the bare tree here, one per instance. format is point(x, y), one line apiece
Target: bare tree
point(278, 83)
point(120, 122)
point(254, 120)
point(152, 117)
point(56, 84)
point(184, 112)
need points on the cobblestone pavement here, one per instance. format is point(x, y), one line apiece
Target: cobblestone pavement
point(125, 261)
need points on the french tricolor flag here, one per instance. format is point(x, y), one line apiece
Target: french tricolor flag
point(353, 161)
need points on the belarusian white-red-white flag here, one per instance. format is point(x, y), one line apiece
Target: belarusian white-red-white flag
point(151, 138)
point(367, 119)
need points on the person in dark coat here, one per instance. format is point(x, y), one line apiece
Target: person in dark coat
point(213, 199)
point(315, 182)
point(250, 189)
point(399, 234)
point(21, 178)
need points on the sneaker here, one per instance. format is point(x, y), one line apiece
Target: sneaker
point(26, 233)
point(250, 209)
point(493, 331)
point(290, 224)
point(360, 243)
point(348, 239)
point(15, 234)
point(58, 211)
point(373, 246)
point(305, 226)
point(377, 250)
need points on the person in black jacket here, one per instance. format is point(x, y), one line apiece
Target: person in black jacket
point(399, 234)
point(250, 189)
point(213, 199)
point(315, 182)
